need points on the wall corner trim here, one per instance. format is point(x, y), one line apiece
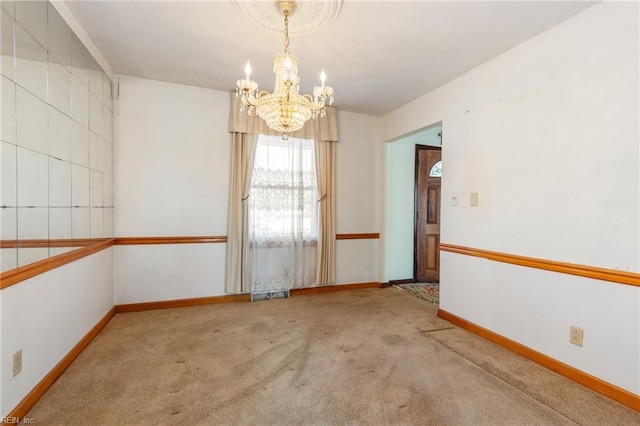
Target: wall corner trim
point(41, 388)
point(80, 32)
point(598, 385)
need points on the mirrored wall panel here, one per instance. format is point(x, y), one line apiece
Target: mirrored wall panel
point(56, 135)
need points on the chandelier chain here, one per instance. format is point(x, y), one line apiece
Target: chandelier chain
point(286, 32)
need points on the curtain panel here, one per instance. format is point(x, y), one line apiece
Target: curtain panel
point(325, 175)
point(244, 131)
point(242, 154)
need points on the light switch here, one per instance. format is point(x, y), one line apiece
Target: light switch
point(474, 199)
point(454, 199)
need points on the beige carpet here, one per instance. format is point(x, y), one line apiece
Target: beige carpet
point(366, 357)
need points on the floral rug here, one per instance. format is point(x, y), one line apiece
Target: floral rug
point(427, 291)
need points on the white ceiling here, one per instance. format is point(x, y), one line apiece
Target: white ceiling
point(378, 55)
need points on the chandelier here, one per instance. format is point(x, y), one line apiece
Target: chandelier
point(285, 110)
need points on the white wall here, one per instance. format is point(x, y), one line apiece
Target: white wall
point(172, 165)
point(150, 273)
point(173, 161)
point(47, 315)
point(357, 199)
point(547, 134)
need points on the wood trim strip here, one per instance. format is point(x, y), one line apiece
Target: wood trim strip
point(371, 236)
point(598, 385)
point(216, 239)
point(123, 241)
point(39, 390)
point(611, 275)
point(78, 242)
point(331, 288)
point(182, 303)
point(93, 245)
point(14, 276)
point(61, 242)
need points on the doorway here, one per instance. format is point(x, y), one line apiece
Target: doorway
point(400, 202)
point(426, 246)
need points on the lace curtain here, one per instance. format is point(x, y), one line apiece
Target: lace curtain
point(283, 217)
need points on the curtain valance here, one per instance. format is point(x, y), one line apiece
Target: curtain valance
point(322, 129)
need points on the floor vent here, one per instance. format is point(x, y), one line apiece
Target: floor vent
point(268, 295)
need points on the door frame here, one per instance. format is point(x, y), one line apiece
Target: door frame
point(418, 148)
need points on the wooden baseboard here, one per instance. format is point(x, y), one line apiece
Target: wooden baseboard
point(231, 298)
point(330, 288)
point(182, 303)
point(36, 393)
point(612, 391)
point(405, 281)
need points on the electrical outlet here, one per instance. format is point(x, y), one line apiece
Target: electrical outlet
point(576, 334)
point(17, 363)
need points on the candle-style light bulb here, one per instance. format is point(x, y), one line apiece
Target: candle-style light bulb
point(247, 71)
point(323, 77)
point(287, 63)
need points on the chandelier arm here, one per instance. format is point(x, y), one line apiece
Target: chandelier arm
point(249, 101)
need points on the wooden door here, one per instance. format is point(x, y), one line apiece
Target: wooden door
point(427, 214)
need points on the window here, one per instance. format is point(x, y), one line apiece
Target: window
point(283, 194)
point(436, 170)
point(283, 219)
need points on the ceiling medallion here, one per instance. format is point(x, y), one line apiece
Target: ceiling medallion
point(311, 15)
point(285, 110)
